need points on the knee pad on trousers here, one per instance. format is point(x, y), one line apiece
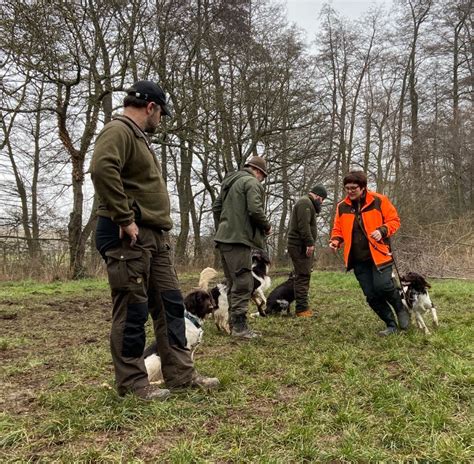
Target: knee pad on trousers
point(134, 332)
point(174, 313)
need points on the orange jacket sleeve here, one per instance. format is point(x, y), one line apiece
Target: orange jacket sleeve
point(336, 233)
point(391, 220)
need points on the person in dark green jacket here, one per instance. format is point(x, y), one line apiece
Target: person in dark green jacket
point(302, 234)
point(241, 225)
point(133, 216)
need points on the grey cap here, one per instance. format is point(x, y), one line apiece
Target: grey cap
point(320, 190)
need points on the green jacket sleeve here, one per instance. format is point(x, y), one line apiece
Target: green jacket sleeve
point(110, 155)
point(254, 193)
point(304, 214)
point(217, 208)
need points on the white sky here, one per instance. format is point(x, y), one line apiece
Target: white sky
point(305, 13)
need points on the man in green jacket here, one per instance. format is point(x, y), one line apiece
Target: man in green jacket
point(242, 225)
point(301, 239)
point(133, 216)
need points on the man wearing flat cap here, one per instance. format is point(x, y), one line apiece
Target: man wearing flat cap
point(133, 218)
point(301, 240)
point(241, 225)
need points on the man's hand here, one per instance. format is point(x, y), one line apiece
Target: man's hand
point(309, 251)
point(376, 235)
point(334, 245)
point(131, 230)
point(268, 231)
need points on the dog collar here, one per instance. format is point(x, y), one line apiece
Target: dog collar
point(194, 319)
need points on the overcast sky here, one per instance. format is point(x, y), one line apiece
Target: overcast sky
point(305, 13)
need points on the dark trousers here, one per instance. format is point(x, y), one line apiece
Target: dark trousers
point(379, 290)
point(302, 266)
point(237, 265)
point(143, 281)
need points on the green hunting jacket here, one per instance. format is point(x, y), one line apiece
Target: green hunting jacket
point(127, 177)
point(302, 229)
point(239, 210)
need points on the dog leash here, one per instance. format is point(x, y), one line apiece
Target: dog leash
point(390, 253)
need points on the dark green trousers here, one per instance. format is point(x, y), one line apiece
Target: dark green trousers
point(379, 289)
point(143, 281)
point(237, 265)
point(302, 266)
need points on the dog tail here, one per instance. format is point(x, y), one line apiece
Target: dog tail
point(205, 277)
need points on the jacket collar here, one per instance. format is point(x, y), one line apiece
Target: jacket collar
point(133, 125)
point(137, 131)
point(369, 198)
point(316, 204)
point(249, 171)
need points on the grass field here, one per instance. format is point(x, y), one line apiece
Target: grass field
point(319, 390)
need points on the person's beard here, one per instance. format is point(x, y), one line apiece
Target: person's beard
point(150, 128)
point(150, 125)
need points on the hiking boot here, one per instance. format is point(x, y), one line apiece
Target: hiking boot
point(388, 331)
point(403, 319)
point(244, 333)
point(151, 393)
point(205, 383)
point(240, 329)
point(305, 313)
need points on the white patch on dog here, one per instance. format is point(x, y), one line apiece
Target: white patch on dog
point(153, 367)
point(418, 300)
point(194, 336)
point(199, 304)
point(262, 282)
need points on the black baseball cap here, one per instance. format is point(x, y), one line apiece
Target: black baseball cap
point(150, 92)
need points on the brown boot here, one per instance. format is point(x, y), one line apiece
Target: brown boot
point(306, 313)
point(199, 381)
point(204, 383)
point(151, 393)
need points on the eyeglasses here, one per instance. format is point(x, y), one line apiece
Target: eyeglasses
point(351, 188)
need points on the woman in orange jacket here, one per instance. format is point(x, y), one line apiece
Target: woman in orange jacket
point(364, 219)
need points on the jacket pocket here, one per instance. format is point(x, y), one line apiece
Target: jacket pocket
point(126, 268)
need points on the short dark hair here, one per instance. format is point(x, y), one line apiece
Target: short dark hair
point(131, 100)
point(356, 177)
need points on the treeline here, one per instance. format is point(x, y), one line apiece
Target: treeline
point(390, 93)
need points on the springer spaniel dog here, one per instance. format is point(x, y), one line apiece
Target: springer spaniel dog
point(416, 298)
point(261, 283)
point(199, 304)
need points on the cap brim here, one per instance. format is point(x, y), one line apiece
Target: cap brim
point(256, 167)
point(166, 110)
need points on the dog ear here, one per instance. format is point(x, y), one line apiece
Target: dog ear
point(424, 282)
point(197, 303)
point(192, 302)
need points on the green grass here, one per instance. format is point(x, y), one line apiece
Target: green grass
point(319, 390)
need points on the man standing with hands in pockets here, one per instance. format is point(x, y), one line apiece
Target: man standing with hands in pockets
point(133, 218)
point(302, 234)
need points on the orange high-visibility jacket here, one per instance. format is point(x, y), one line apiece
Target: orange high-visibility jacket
point(377, 213)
